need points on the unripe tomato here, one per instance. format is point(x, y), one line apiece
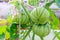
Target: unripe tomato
point(41, 30)
point(24, 19)
point(39, 15)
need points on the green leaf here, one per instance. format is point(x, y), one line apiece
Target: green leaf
point(14, 36)
point(7, 35)
point(54, 20)
point(9, 19)
point(12, 31)
point(1, 31)
point(58, 3)
point(4, 28)
point(15, 3)
point(47, 5)
point(33, 2)
point(2, 36)
point(13, 27)
point(24, 26)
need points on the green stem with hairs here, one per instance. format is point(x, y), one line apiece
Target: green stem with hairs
point(27, 33)
point(42, 38)
point(27, 13)
point(47, 5)
point(24, 8)
point(33, 36)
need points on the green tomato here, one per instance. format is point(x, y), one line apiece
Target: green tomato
point(33, 2)
point(21, 19)
point(16, 19)
point(41, 30)
point(39, 15)
point(24, 19)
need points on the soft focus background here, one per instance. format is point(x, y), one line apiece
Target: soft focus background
point(5, 8)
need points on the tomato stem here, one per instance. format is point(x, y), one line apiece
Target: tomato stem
point(42, 38)
point(24, 8)
point(33, 36)
point(27, 33)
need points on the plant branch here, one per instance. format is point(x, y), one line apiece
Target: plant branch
point(47, 5)
point(27, 33)
point(42, 38)
point(22, 3)
point(33, 36)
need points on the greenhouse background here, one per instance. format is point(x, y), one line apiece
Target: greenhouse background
point(6, 8)
point(4, 3)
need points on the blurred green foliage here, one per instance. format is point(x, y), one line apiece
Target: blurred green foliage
point(58, 3)
point(10, 31)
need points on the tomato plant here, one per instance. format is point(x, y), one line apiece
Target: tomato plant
point(39, 20)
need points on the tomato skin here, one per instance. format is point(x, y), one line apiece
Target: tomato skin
point(41, 30)
point(24, 19)
point(39, 15)
point(33, 2)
